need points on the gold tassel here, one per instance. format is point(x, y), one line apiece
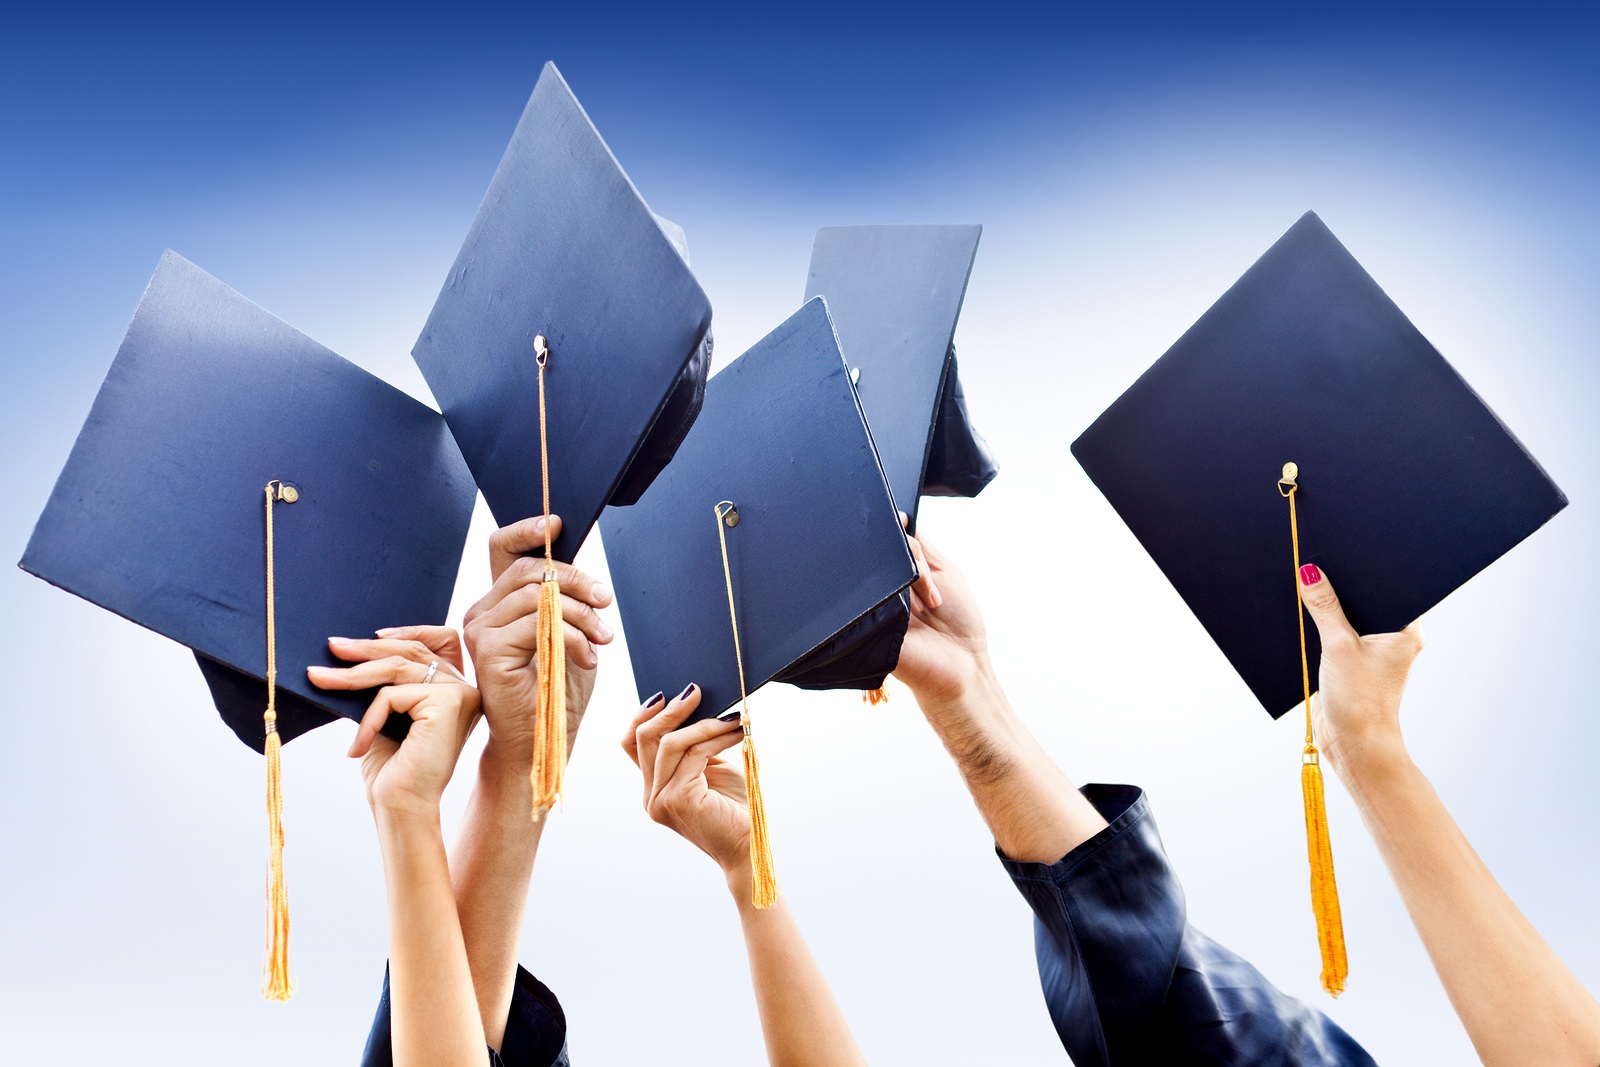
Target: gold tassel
point(276, 984)
point(1319, 848)
point(550, 656)
point(876, 696)
point(550, 727)
point(763, 878)
point(1324, 890)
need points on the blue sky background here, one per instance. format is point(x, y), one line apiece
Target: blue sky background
point(1127, 167)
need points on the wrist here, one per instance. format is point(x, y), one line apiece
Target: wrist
point(503, 765)
point(740, 883)
point(974, 685)
point(409, 817)
point(1368, 761)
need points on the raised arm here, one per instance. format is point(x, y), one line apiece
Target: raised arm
point(1033, 810)
point(1518, 1001)
point(492, 864)
point(434, 1009)
point(701, 796)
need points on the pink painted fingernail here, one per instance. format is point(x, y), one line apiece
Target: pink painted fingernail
point(1309, 575)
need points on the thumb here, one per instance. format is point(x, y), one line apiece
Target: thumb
point(1316, 592)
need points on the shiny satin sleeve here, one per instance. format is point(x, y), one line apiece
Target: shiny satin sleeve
point(536, 1029)
point(1128, 981)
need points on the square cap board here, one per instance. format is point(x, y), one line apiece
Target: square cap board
point(1408, 484)
point(159, 514)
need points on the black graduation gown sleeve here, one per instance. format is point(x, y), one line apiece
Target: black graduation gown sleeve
point(536, 1029)
point(1128, 980)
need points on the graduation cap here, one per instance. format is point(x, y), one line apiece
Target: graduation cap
point(220, 431)
point(895, 293)
point(568, 350)
point(777, 508)
point(1304, 419)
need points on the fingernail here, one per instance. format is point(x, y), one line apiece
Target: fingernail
point(602, 594)
point(653, 701)
point(338, 640)
point(387, 631)
point(1309, 575)
point(731, 715)
point(538, 524)
point(686, 691)
point(603, 630)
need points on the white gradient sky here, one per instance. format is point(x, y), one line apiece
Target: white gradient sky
point(1115, 212)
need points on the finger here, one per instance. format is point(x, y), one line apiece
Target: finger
point(518, 539)
point(917, 606)
point(523, 634)
point(442, 641)
point(675, 748)
point(924, 586)
point(1316, 592)
point(935, 559)
point(372, 721)
point(647, 710)
point(580, 651)
point(648, 734)
point(391, 670)
point(356, 650)
point(690, 768)
point(517, 593)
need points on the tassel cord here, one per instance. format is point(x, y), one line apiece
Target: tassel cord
point(276, 983)
point(547, 775)
point(1319, 847)
point(763, 877)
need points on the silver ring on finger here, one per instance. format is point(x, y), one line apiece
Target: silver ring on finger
point(433, 668)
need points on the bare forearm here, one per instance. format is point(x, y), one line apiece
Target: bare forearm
point(1034, 811)
point(1520, 1004)
point(800, 1019)
point(434, 1013)
point(492, 870)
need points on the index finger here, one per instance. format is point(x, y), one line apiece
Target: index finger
point(924, 586)
point(442, 641)
point(520, 538)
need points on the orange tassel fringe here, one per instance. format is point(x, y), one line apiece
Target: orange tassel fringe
point(876, 696)
point(1324, 889)
point(550, 725)
point(276, 984)
point(763, 879)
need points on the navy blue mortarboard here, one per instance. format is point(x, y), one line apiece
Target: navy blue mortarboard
point(564, 249)
point(1407, 485)
point(244, 491)
point(1304, 419)
point(817, 544)
point(159, 512)
point(895, 294)
point(772, 534)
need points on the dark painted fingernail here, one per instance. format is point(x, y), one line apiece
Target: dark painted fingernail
point(686, 691)
point(653, 701)
point(1309, 575)
point(731, 715)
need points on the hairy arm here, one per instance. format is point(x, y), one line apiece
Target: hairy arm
point(1033, 810)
